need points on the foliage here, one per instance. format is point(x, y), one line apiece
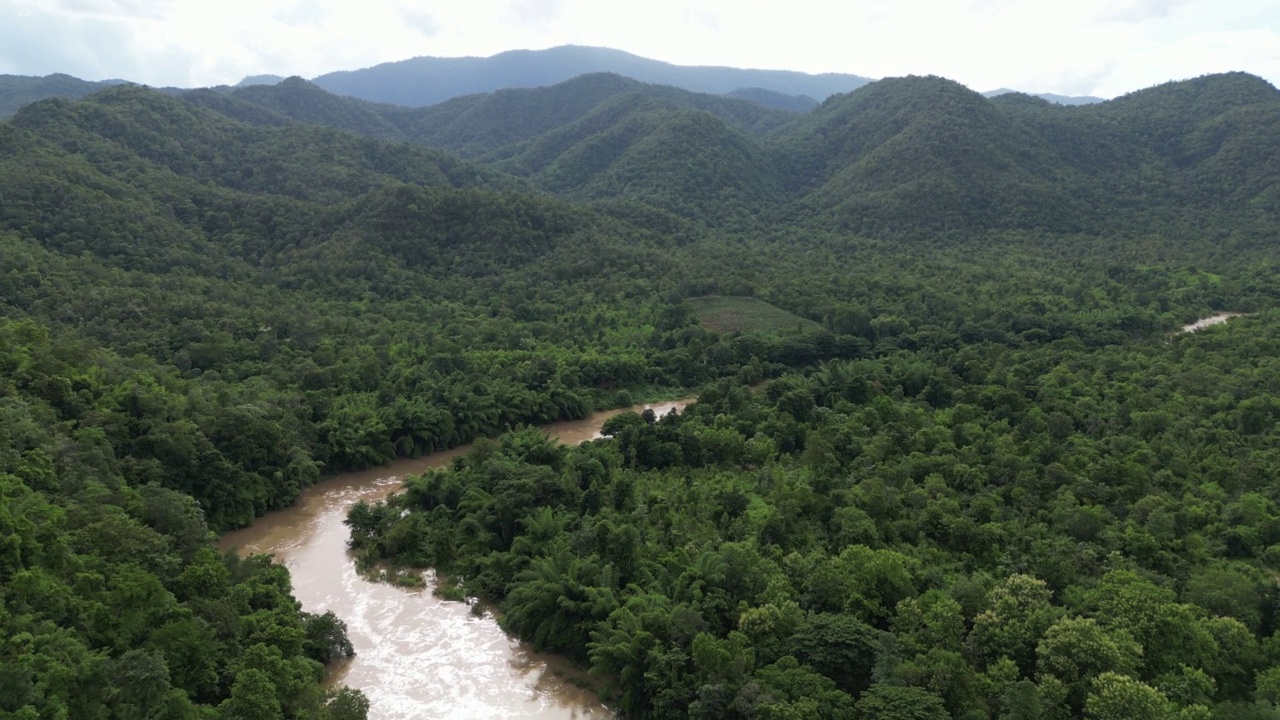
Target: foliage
point(961, 551)
point(987, 480)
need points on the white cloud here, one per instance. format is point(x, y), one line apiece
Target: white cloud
point(132, 9)
point(1133, 11)
point(535, 13)
point(1084, 47)
point(423, 22)
point(305, 12)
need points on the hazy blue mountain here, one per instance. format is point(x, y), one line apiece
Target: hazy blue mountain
point(19, 90)
point(429, 80)
point(1051, 97)
point(260, 80)
point(769, 98)
point(305, 102)
point(478, 124)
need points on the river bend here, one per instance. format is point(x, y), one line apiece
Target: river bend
point(418, 656)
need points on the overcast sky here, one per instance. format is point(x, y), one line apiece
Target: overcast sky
point(1077, 47)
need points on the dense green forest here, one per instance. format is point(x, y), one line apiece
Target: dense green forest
point(915, 157)
point(960, 465)
point(1044, 531)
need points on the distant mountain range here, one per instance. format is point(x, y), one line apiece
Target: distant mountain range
point(429, 80)
point(902, 154)
point(426, 81)
point(1051, 97)
point(898, 156)
point(261, 80)
point(19, 90)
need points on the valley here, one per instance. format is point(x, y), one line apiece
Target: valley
point(950, 458)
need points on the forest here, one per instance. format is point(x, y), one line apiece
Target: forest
point(957, 462)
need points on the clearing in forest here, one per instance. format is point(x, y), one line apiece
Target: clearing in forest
point(725, 314)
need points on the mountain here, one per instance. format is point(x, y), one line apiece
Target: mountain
point(482, 123)
point(1051, 97)
point(916, 154)
point(260, 80)
point(646, 147)
point(301, 101)
point(19, 90)
point(596, 136)
point(928, 152)
point(925, 151)
point(429, 80)
point(132, 152)
point(473, 125)
point(897, 155)
point(1185, 149)
point(796, 103)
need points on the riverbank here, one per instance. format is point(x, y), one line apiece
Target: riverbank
point(419, 655)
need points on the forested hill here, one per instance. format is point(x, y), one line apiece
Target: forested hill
point(927, 152)
point(1050, 97)
point(17, 91)
point(898, 156)
point(474, 125)
point(935, 472)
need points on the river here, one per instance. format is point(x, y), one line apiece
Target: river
point(418, 656)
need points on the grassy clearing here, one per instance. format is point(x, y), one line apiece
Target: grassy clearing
point(725, 314)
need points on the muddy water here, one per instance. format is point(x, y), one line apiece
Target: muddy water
point(1213, 319)
point(418, 656)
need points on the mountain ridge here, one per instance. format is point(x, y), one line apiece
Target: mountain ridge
point(428, 80)
point(911, 155)
point(1050, 97)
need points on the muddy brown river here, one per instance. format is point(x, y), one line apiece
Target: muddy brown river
point(418, 656)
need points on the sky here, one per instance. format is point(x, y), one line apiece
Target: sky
point(1073, 47)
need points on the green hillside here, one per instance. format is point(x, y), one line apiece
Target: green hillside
point(927, 152)
point(648, 149)
point(17, 91)
point(901, 156)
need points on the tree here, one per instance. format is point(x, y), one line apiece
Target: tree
point(326, 637)
point(898, 702)
point(1018, 614)
point(1076, 650)
point(142, 680)
point(1113, 696)
point(253, 697)
point(795, 691)
point(345, 703)
point(839, 646)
